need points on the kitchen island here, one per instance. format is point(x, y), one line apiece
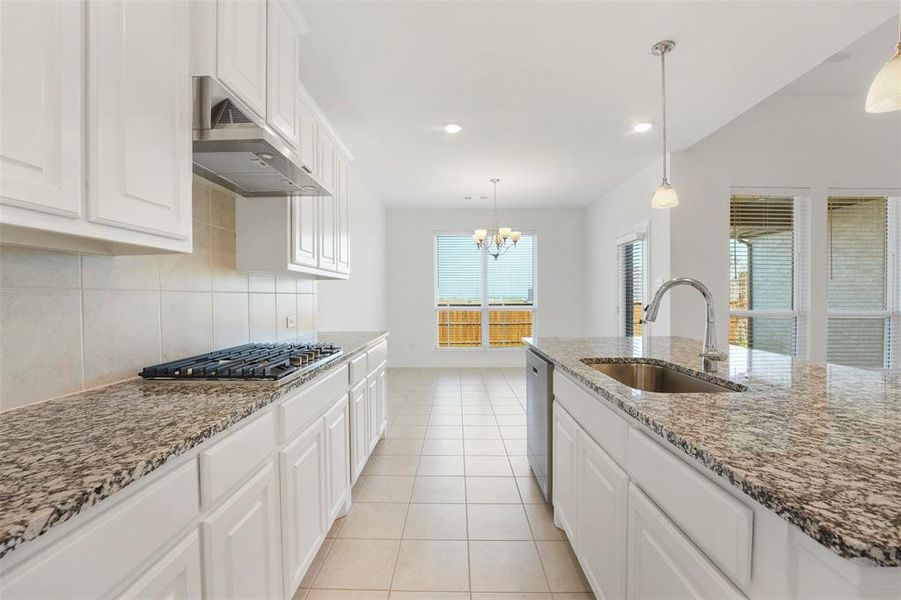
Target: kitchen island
point(814, 445)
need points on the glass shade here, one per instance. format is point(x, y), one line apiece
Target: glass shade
point(515, 236)
point(480, 233)
point(665, 197)
point(505, 232)
point(885, 91)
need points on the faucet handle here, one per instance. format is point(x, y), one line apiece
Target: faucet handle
point(713, 355)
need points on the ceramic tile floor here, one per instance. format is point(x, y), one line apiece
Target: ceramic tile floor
point(446, 508)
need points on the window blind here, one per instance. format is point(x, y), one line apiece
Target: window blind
point(459, 271)
point(762, 273)
point(630, 259)
point(858, 275)
point(510, 277)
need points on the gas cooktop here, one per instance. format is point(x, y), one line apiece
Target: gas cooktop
point(267, 362)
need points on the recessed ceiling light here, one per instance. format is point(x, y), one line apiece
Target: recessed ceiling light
point(641, 127)
point(453, 128)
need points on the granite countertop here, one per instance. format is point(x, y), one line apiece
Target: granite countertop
point(818, 445)
point(60, 457)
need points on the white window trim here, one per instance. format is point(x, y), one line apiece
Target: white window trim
point(800, 299)
point(484, 308)
point(639, 232)
point(892, 311)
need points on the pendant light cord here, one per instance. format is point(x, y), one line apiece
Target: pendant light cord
point(663, 103)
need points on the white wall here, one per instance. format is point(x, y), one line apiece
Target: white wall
point(784, 142)
point(358, 304)
point(560, 291)
point(617, 212)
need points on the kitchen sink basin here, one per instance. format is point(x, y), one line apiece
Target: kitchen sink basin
point(657, 378)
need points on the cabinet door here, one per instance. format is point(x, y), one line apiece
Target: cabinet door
point(337, 445)
point(304, 227)
point(139, 134)
point(383, 400)
point(241, 50)
point(308, 128)
point(326, 158)
point(663, 563)
point(241, 542)
point(343, 207)
point(328, 240)
point(372, 410)
point(41, 105)
point(603, 495)
point(566, 433)
point(282, 63)
point(176, 576)
point(360, 429)
point(303, 498)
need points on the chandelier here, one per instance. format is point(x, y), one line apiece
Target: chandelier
point(498, 240)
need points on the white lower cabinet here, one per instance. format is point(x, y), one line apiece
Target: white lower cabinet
point(663, 563)
point(303, 483)
point(359, 430)
point(242, 517)
point(337, 449)
point(176, 576)
point(603, 498)
point(382, 403)
point(566, 435)
point(241, 541)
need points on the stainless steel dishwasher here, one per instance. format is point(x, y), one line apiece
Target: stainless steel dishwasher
point(539, 422)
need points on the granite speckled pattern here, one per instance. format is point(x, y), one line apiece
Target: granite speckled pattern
point(818, 445)
point(60, 457)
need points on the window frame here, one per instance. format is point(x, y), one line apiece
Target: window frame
point(484, 307)
point(639, 232)
point(800, 262)
point(891, 313)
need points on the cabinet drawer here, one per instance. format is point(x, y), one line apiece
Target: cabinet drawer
point(232, 460)
point(299, 410)
point(663, 563)
point(117, 541)
point(376, 356)
point(600, 422)
point(358, 369)
point(718, 523)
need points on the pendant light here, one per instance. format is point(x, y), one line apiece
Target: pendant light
point(664, 196)
point(496, 240)
point(885, 91)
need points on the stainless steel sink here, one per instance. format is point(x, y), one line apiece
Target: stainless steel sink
point(657, 378)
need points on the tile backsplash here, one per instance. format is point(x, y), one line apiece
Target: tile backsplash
point(72, 322)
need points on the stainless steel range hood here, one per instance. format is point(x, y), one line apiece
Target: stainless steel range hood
point(234, 148)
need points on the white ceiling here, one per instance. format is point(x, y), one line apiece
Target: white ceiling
point(849, 72)
point(547, 92)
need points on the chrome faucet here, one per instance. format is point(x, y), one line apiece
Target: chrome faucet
point(709, 352)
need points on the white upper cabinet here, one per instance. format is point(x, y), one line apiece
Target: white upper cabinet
point(95, 125)
point(140, 116)
point(42, 100)
point(328, 233)
point(305, 230)
point(241, 50)
point(308, 127)
point(342, 205)
point(283, 70)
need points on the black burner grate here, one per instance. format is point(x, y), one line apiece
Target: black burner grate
point(249, 361)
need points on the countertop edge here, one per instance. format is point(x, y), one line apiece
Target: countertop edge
point(48, 517)
point(864, 555)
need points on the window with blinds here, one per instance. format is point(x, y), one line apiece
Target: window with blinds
point(482, 301)
point(859, 319)
point(630, 286)
point(762, 273)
